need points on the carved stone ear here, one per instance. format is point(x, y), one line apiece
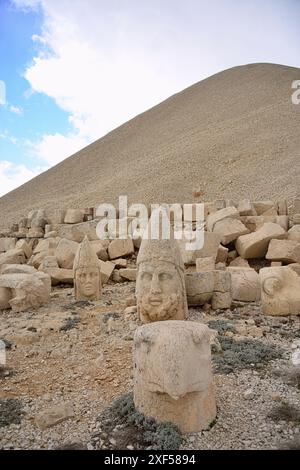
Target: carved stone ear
point(271, 285)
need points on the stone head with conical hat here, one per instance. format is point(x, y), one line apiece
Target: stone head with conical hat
point(87, 278)
point(160, 287)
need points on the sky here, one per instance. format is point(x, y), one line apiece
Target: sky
point(73, 70)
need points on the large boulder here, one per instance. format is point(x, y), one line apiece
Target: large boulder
point(222, 214)
point(74, 216)
point(199, 288)
point(65, 253)
point(287, 251)
point(294, 233)
point(119, 248)
point(255, 244)
point(15, 256)
point(210, 248)
point(230, 229)
point(245, 284)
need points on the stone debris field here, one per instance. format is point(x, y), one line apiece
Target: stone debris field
point(144, 344)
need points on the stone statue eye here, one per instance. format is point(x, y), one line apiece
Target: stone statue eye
point(147, 276)
point(165, 276)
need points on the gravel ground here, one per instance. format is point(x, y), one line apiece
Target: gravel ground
point(89, 365)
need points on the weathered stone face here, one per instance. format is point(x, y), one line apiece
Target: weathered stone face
point(87, 277)
point(160, 292)
point(280, 290)
point(87, 283)
point(173, 379)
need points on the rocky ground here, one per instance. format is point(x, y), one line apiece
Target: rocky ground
point(75, 358)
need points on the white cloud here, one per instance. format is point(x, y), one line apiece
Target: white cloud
point(16, 110)
point(2, 93)
point(12, 176)
point(106, 61)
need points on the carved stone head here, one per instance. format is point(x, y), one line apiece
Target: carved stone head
point(280, 290)
point(172, 373)
point(87, 278)
point(160, 286)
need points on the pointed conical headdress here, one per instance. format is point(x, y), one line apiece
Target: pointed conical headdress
point(160, 250)
point(85, 256)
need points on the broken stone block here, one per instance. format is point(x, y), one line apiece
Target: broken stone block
point(263, 206)
point(287, 251)
point(120, 263)
point(15, 256)
point(239, 263)
point(35, 233)
point(282, 207)
point(246, 207)
point(7, 244)
point(99, 249)
point(54, 415)
point(221, 300)
point(271, 211)
point(199, 287)
point(296, 219)
point(255, 244)
point(228, 212)
point(65, 253)
point(222, 281)
point(129, 274)
point(119, 248)
point(230, 229)
point(173, 379)
point(294, 233)
point(25, 290)
point(205, 264)
point(209, 249)
point(280, 290)
point(23, 245)
point(77, 232)
point(245, 284)
point(222, 254)
point(106, 270)
point(275, 264)
point(74, 216)
point(220, 266)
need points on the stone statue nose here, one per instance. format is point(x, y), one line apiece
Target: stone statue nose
point(155, 286)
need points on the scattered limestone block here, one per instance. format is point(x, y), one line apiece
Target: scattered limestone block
point(282, 207)
point(245, 284)
point(246, 208)
point(35, 233)
point(99, 249)
point(221, 300)
point(239, 263)
point(74, 216)
point(222, 281)
point(262, 206)
point(54, 415)
point(58, 275)
point(25, 290)
point(23, 245)
point(222, 254)
point(119, 248)
point(220, 204)
point(287, 251)
point(212, 219)
point(52, 234)
point(272, 211)
point(205, 264)
point(65, 253)
point(220, 266)
point(48, 262)
point(77, 232)
point(129, 274)
point(116, 277)
point(199, 287)
point(296, 206)
point(255, 244)
point(106, 270)
point(210, 248)
point(173, 374)
point(280, 290)
point(296, 219)
point(120, 263)
point(7, 244)
point(230, 229)
point(15, 256)
point(294, 233)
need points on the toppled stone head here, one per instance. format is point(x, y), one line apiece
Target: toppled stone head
point(87, 278)
point(160, 286)
point(172, 374)
point(280, 290)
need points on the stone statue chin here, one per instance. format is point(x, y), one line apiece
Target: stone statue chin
point(87, 277)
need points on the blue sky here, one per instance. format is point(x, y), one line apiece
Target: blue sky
point(75, 69)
